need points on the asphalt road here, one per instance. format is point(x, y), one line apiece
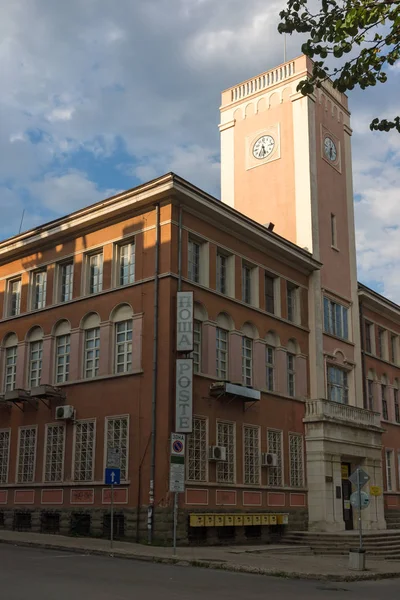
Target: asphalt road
point(52, 575)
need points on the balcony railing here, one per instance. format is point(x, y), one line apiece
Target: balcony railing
point(334, 411)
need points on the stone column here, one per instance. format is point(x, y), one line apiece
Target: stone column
point(208, 350)
point(75, 359)
point(137, 326)
point(280, 371)
point(235, 357)
point(22, 358)
point(106, 349)
point(48, 361)
point(301, 390)
point(259, 369)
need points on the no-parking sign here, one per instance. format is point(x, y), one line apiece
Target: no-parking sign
point(177, 444)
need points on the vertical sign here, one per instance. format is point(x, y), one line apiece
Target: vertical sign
point(184, 322)
point(184, 395)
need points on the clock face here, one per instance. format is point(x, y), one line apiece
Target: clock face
point(263, 146)
point(330, 149)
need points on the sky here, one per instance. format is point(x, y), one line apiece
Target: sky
point(97, 97)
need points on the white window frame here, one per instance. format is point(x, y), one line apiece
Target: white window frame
point(13, 366)
point(38, 292)
point(10, 312)
point(333, 232)
point(65, 288)
point(194, 260)
point(221, 273)
point(126, 344)
point(62, 427)
point(291, 374)
point(250, 293)
point(254, 478)
point(76, 424)
point(221, 354)
point(17, 472)
point(270, 367)
point(201, 274)
point(5, 464)
point(370, 396)
point(62, 374)
point(247, 360)
point(369, 332)
point(197, 345)
point(382, 343)
point(334, 387)
point(95, 350)
point(384, 401)
point(200, 446)
point(292, 302)
point(125, 275)
point(279, 470)
point(39, 361)
point(336, 318)
point(226, 471)
point(394, 341)
point(292, 478)
point(97, 279)
point(389, 469)
point(108, 420)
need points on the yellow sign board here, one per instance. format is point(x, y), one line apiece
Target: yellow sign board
point(196, 520)
point(375, 490)
point(345, 471)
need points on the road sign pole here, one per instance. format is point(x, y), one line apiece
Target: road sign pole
point(112, 516)
point(359, 507)
point(175, 518)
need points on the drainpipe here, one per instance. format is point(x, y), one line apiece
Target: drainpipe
point(363, 370)
point(180, 250)
point(150, 511)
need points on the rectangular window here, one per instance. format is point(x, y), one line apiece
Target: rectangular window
point(333, 231)
point(226, 437)
point(338, 388)
point(393, 349)
point(26, 455)
point(39, 281)
point(222, 353)
point(197, 451)
point(246, 284)
point(194, 261)
point(292, 292)
point(296, 460)
point(368, 337)
point(247, 361)
point(221, 273)
point(66, 280)
point(389, 470)
point(84, 450)
point(95, 273)
point(62, 358)
point(291, 374)
point(123, 346)
point(251, 455)
point(117, 437)
point(381, 343)
point(270, 293)
point(92, 352)
point(396, 405)
point(196, 354)
point(5, 437)
point(385, 414)
point(10, 368)
point(275, 474)
point(127, 263)
point(270, 366)
point(54, 463)
point(336, 319)
point(14, 297)
point(35, 363)
point(370, 393)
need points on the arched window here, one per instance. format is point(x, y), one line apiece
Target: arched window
point(62, 333)
point(200, 315)
point(35, 348)
point(249, 334)
point(10, 345)
point(122, 317)
point(90, 325)
point(272, 340)
point(224, 325)
point(292, 351)
point(369, 401)
point(396, 400)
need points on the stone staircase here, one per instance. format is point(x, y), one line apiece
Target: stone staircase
point(382, 544)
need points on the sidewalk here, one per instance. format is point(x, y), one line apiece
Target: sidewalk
point(275, 560)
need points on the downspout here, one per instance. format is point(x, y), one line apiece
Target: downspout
point(363, 369)
point(180, 250)
point(150, 511)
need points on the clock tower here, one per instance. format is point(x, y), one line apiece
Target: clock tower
point(286, 160)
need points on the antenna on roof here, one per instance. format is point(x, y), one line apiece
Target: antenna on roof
point(22, 220)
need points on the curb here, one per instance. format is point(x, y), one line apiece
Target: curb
point(205, 564)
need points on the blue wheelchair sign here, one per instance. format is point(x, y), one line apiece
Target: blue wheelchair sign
point(112, 476)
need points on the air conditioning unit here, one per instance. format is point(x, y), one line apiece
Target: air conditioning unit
point(65, 412)
point(269, 460)
point(217, 453)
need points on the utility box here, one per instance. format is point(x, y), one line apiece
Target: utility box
point(357, 560)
